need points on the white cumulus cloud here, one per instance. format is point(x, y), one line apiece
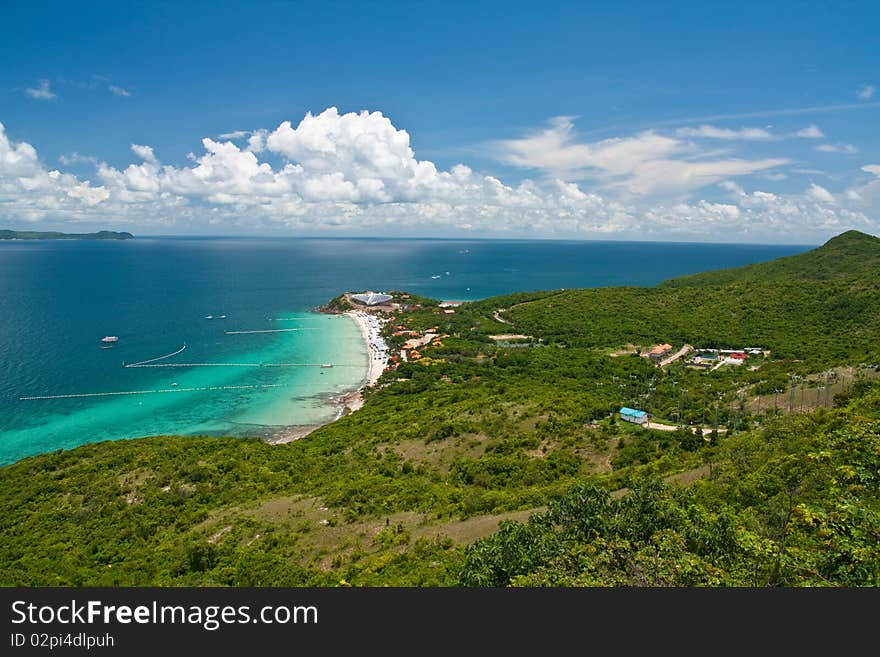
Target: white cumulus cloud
point(352, 171)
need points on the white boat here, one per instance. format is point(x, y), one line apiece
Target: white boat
point(209, 316)
point(109, 338)
point(326, 364)
point(436, 276)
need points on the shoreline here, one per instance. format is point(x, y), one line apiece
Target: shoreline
point(377, 359)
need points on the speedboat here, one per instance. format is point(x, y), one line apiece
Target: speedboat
point(209, 316)
point(109, 338)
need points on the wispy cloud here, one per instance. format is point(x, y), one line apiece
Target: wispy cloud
point(75, 158)
point(235, 134)
point(118, 91)
point(837, 148)
point(812, 131)
point(713, 132)
point(794, 111)
point(42, 91)
point(644, 164)
point(820, 194)
point(865, 92)
point(707, 131)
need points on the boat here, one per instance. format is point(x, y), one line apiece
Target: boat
point(222, 316)
point(326, 364)
point(109, 338)
point(209, 316)
point(174, 384)
point(436, 276)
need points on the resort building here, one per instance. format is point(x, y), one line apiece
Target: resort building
point(633, 415)
point(658, 351)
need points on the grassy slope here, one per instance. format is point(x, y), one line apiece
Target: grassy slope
point(388, 494)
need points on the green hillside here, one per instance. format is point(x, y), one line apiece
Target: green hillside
point(820, 307)
point(409, 490)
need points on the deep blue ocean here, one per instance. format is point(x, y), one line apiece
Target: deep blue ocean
point(59, 298)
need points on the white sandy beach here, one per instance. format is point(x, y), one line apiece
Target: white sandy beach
point(377, 354)
point(370, 325)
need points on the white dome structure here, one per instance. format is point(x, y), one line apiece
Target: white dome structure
point(371, 298)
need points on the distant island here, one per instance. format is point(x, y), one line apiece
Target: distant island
point(37, 235)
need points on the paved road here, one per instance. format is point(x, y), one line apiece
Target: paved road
point(678, 354)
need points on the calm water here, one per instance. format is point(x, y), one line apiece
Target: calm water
point(58, 298)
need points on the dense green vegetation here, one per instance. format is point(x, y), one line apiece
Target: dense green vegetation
point(794, 504)
point(410, 489)
point(819, 308)
point(37, 235)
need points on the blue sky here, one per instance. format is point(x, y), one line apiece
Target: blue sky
point(679, 121)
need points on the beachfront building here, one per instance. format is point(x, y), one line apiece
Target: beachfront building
point(372, 298)
point(633, 415)
point(658, 351)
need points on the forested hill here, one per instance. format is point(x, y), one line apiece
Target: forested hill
point(849, 254)
point(818, 307)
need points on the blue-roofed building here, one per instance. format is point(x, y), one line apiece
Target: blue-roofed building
point(633, 415)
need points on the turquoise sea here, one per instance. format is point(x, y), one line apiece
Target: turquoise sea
point(59, 298)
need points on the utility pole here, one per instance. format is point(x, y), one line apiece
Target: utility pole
point(682, 405)
point(678, 415)
point(716, 415)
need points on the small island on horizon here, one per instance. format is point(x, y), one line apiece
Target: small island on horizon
point(53, 235)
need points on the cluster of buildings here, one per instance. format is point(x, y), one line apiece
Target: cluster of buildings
point(410, 349)
point(448, 307)
point(715, 358)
